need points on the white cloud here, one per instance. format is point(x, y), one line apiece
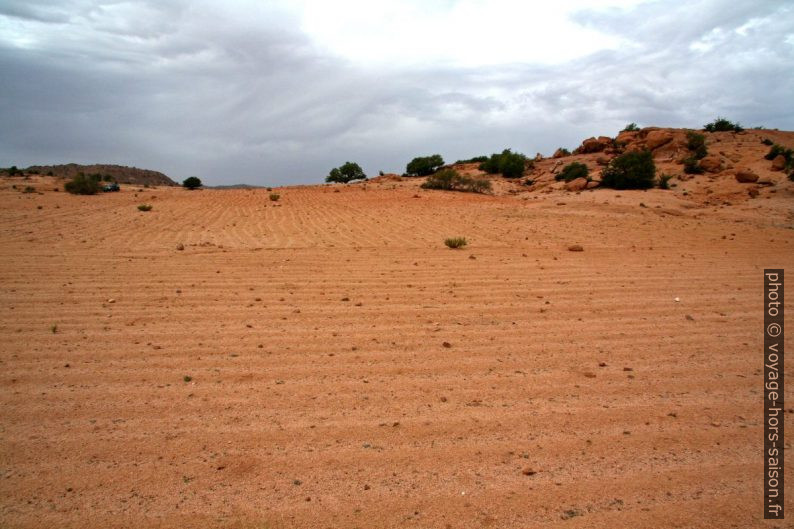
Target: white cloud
point(465, 33)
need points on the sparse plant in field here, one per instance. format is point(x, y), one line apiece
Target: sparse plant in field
point(631, 170)
point(696, 143)
point(767, 141)
point(82, 185)
point(455, 242)
point(274, 197)
point(572, 171)
point(450, 180)
point(192, 182)
point(424, 165)
point(187, 378)
point(722, 125)
point(510, 164)
point(345, 173)
point(692, 166)
point(29, 189)
point(144, 207)
point(631, 127)
point(664, 181)
point(54, 329)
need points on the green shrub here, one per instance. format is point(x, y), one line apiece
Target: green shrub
point(692, 166)
point(29, 189)
point(274, 197)
point(777, 150)
point(476, 159)
point(563, 151)
point(696, 143)
point(424, 165)
point(767, 141)
point(509, 164)
point(664, 181)
point(572, 171)
point(631, 127)
point(455, 242)
point(82, 185)
point(632, 170)
point(345, 173)
point(192, 182)
point(145, 207)
point(450, 180)
point(722, 125)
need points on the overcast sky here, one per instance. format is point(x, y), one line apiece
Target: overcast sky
point(277, 92)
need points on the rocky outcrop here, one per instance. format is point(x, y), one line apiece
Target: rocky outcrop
point(591, 145)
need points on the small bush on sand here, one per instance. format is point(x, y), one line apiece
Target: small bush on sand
point(145, 207)
point(455, 242)
point(424, 165)
point(722, 125)
point(274, 197)
point(664, 181)
point(82, 185)
point(29, 189)
point(450, 180)
point(572, 171)
point(632, 170)
point(345, 173)
point(696, 143)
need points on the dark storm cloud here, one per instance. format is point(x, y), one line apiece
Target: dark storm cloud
point(243, 95)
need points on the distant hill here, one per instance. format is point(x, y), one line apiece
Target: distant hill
point(235, 186)
point(122, 174)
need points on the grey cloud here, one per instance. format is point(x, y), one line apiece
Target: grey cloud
point(187, 88)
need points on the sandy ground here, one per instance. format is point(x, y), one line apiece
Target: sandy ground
point(328, 363)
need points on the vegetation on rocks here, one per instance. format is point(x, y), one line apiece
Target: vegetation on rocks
point(510, 164)
point(722, 125)
point(572, 171)
point(631, 170)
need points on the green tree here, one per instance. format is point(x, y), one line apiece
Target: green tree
point(424, 165)
point(510, 164)
point(192, 182)
point(345, 173)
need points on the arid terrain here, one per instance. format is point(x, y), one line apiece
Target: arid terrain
point(324, 361)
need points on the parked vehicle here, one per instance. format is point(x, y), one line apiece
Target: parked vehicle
point(113, 186)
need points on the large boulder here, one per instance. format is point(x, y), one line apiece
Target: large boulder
point(594, 145)
point(746, 176)
point(778, 163)
point(657, 138)
point(577, 184)
point(711, 163)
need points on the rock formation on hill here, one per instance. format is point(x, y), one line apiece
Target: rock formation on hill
point(121, 173)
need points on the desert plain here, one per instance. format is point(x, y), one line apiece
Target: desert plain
point(324, 361)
